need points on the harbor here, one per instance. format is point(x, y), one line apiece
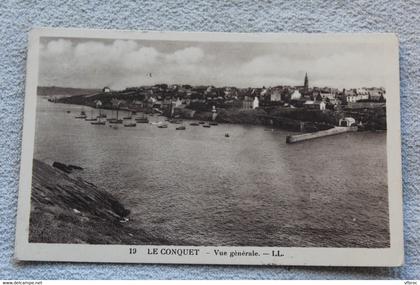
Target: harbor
point(235, 184)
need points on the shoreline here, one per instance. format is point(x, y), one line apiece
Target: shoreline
point(237, 116)
point(67, 209)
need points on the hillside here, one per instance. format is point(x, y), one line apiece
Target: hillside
point(68, 209)
point(54, 91)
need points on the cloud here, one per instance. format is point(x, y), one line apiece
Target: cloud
point(188, 55)
point(58, 47)
point(140, 59)
point(124, 63)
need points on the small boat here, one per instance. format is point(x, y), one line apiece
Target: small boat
point(143, 119)
point(98, 123)
point(194, 124)
point(127, 118)
point(201, 123)
point(130, 125)
point(91, 117)
point(180, 128)
point(101, 116)
point(175, 121)
point(164, 126)
point(68, 111)
point(115, 121)
point(206, 126)
point(227, 135)
point(213, 123)
point(82, 115)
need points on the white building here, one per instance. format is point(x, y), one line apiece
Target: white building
point(178, 102)
point(255, 103)
point(354, 95)
point(296, 95)
point(275, 96)
point(362, 94)
point(324, 95)
point(346, 122)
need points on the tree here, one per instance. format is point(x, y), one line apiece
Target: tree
point(382, 98)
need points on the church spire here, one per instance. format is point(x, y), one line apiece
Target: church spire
point(306, 84)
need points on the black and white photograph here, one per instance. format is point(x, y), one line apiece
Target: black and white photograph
point(175, 142)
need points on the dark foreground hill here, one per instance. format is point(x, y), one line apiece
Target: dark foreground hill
point(68, 209)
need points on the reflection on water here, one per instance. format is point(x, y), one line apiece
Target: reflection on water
point(199, 187)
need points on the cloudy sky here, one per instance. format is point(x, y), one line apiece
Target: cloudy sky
point(93, 63)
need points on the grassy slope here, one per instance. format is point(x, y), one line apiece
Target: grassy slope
point(66, 209)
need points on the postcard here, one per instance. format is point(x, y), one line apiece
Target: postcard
point(211, 148)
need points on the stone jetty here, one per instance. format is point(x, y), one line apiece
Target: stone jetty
point(320, 134)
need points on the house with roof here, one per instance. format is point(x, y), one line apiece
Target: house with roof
point(377, 94)
point(296, 95)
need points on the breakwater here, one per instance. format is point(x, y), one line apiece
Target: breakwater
point(320, 134)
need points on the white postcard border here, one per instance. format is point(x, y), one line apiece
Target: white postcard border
point(393, 256)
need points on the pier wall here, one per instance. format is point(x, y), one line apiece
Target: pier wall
point(320, 134)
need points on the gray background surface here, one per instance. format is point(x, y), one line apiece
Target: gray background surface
point(18, 17)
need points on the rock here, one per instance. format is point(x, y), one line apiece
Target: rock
point(66, 168)
point(71, 166)
point(62, 167)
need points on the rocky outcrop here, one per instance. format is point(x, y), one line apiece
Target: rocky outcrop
point(66, 168)
point(68, 209)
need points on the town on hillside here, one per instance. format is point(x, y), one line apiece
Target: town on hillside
point(301, 108)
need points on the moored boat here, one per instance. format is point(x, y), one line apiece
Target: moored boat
point(213, 123)
point(180, 128)
point(175, 121)
point(206, 126)
point(164, 126)
point(130, 125)
point(142, 119)
point(98, 123)
point(82, 115)
point(115, 121)
point(92, 118)
point(201, 123)
point(194, 124)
